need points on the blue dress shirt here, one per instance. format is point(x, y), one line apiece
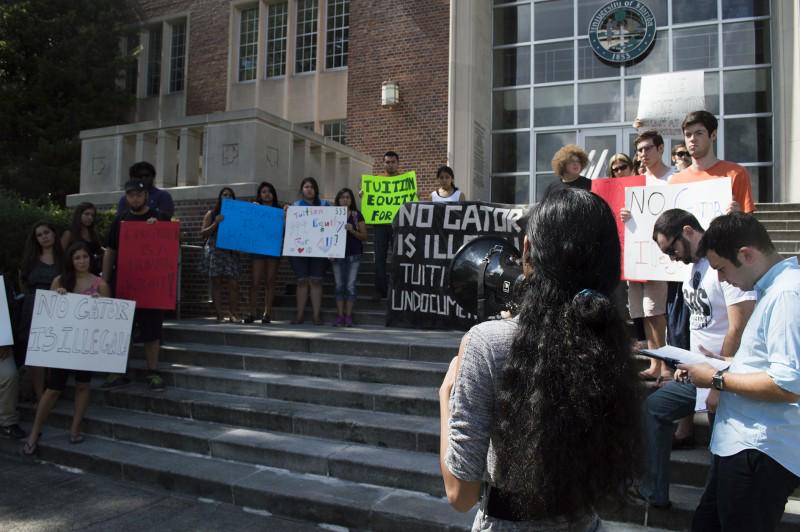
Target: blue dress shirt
point(770, 343)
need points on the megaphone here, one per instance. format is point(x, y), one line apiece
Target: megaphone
point(485, 276)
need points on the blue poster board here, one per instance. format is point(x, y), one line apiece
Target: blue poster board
point(251, 228)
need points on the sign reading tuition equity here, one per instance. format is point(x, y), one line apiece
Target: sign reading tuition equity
point(382, 196)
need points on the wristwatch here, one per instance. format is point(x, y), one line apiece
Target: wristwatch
point(718, 380)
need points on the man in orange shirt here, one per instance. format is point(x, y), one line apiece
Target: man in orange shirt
point(700, 132)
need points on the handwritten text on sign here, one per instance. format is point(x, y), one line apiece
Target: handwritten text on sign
point(251, 228)
point(613, 191)
point(147, 268)
point(643, 259)
point(427, 236)
point(666, 99)
point(382, 196)
point(74, 331)
point(6, 337)
point(315, 232)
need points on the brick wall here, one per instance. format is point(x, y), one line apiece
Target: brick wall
point(406, 42)
point(207, 66)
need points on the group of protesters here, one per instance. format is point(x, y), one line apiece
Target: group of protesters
point(561, 433)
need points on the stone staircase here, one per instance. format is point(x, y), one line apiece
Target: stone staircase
point(336, 426)
point(782, 220)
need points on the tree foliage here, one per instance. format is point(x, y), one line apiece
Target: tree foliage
point(60, 61)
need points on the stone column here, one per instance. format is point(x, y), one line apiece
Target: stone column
point(188, 157)
point(166, 159)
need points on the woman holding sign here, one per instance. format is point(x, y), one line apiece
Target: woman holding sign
point(540, 413)
point(309, 270)
point(345, 270)
point(220, 264)
point(264, 266)
point(41, 263)
point(77, 279)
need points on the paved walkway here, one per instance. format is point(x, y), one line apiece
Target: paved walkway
point(38, 497)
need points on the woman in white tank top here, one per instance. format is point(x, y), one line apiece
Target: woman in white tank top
point(447, 191)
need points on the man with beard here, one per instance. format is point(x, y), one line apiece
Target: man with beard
point(718, 314)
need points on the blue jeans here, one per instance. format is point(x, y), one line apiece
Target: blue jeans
point(661, 410)
point(383, 240)
point(345, 272)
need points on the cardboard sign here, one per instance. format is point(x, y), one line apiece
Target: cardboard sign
point(666, 99)
point(427, 236)
point(250, 227)
point(6, 334)
point(75, 331)
point(315, 232)
point(147, 264)
point(382, 196)
point(643, 259)
point(613, 191)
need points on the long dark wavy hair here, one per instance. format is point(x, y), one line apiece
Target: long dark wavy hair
point(68, 274)
point(76, 225)
point(568, 435)
point(33, 250)
point(262, 186)
point(218, 206)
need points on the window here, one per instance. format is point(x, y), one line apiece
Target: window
point(338, 33)
point(277, 24)
point(248, 43)
point(154, 62)
point(132, 67)
point(177, 57)
point(306, 39)
point(336, 130)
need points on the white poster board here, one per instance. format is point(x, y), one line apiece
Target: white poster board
point(643, 259)
point(6, 336)
point(666, 99)
point(74, 331)
point(315, 232)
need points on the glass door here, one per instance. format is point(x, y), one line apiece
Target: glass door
point(600, 145)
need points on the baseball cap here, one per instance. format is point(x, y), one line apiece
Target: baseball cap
point(134, 184)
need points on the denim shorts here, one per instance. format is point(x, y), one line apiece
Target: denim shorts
point(308, 267)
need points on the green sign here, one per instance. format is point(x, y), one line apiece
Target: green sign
point(383, 195)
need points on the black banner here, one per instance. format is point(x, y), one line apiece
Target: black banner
point(426, 236)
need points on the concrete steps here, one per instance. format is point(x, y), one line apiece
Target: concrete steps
point(313, 423)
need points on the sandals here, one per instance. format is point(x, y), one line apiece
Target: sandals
point(30, 449)
point(265, 319)
point(76, 438)
point(297, 321)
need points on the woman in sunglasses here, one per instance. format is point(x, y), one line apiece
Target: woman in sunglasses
point(620, 165)
point(681, 157)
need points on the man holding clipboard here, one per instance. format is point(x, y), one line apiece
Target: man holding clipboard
point(718, 314)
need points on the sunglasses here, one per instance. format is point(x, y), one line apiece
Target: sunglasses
point(619, 168)
point(671, 251)
point(682, 154)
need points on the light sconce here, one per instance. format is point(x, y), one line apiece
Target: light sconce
point(390, 93)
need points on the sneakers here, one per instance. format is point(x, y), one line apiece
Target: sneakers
point(339, 321)
point(13, 432)
point(155, 382)
point(115, 379)
point(348, 321)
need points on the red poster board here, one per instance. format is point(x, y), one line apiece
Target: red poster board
point(147, 264)
point(613, 191)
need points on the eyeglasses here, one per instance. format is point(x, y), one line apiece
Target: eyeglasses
point(671, 251)
point(682, 154)
point(619, 168)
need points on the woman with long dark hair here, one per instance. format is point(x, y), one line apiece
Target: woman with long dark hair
point(265, 267)
point(345, 270)
point(546, 403)
point(309, 270)
point(41, 263)
point(77, 279)
point(82, 229)
point(222, 265)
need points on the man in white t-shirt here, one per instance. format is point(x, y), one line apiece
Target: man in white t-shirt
point(718, 314)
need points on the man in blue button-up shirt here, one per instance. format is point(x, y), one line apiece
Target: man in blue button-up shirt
point(756, 438)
